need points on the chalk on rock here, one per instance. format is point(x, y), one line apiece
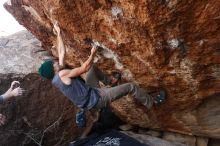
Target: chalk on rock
point(116, 12)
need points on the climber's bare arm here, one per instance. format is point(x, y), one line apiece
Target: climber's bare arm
point(67, 74)
point(60, 45)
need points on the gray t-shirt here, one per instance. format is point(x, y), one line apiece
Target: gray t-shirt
point(78, 92)
point(1, 99)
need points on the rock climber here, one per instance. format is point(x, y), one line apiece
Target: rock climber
point(88, 94)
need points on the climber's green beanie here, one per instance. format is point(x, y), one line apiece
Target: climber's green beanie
point(46, 69)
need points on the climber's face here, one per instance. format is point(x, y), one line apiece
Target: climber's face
point(56, 66)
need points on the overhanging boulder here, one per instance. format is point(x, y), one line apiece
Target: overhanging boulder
point(171, 44)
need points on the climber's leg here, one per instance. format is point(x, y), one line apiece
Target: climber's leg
point(110, 94)
point(94, 75)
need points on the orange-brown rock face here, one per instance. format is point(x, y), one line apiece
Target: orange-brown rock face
point(172, 44)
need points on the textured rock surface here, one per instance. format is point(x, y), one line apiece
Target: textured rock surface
point(171, 44)
point(175, 137)
point(153, 141)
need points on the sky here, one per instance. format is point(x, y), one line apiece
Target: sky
point(8, 24)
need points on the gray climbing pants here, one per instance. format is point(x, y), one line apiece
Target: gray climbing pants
point(107, 95)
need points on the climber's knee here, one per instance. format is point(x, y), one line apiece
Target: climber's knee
point(131, 87)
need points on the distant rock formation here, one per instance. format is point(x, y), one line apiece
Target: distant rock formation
point(21, 54)
point(171, 44)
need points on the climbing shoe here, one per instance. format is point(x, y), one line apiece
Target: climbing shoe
point(81, 118)
point(116, 78)
point(160, 98)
